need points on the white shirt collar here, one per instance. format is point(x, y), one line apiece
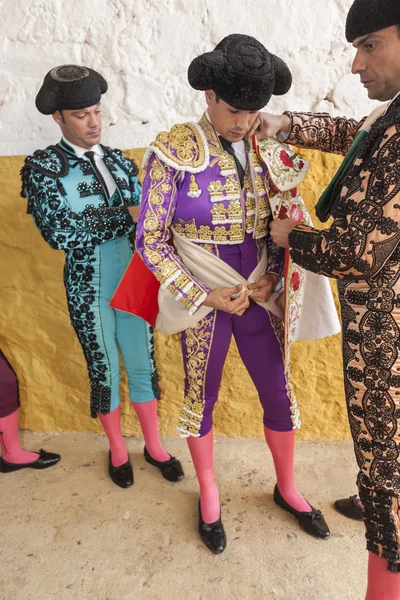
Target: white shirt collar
point(393, 99)
point(80, 152)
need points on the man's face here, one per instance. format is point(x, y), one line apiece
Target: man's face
point(378, 63)
point(229, 122)
point(80, 127)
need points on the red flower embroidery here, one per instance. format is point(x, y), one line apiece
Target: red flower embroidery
point(293, 192)
point(282, 213)
point(296, 213)
point(301, 164)
point(285, 159)
point(295, 281)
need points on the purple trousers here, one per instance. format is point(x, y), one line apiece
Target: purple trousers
point(206, 345)
point(9, 393)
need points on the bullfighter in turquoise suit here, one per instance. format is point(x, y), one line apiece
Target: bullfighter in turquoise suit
point(84, 198)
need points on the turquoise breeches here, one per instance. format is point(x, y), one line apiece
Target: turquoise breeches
point(103, 331)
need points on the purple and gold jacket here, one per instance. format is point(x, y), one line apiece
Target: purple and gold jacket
point(191, 184)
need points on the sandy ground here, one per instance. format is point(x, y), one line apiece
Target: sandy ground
point(68, 533)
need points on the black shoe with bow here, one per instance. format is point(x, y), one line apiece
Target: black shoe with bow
point(122, 475)
point(350, 508)
point(171, 469)
point(212, 534)
point(43, 461)
point(311, 522)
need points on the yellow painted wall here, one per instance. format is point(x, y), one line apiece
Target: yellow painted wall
point(36, 335)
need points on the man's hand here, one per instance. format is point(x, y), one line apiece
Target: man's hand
point(134, 212)
point(264, 287)
point(280, 229)
point(220, 299)
point(267, 125)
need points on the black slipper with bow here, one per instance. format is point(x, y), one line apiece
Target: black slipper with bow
point(311, 522)
point(212, 534)
point(121, 475)
point(350, 508)
point(170, 469)
point(43, 461)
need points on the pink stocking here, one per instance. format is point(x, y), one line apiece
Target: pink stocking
point(148, 419)
point(112, 427)
point(10, 446)
point(382, 584)
point(201, 450)
point(281, 444)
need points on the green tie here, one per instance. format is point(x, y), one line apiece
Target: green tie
point(323, 206)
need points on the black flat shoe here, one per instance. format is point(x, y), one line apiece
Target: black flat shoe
point(122, 475)
point(349, 508)
point(212, 534)
point(43, 461)
point(170, 469)
point(311, 522)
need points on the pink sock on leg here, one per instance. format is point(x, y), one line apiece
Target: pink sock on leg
point(9, 440)
point(201, 450)
point(281, 444)
point(112, 427)
point(148, 419)
point(382, 584)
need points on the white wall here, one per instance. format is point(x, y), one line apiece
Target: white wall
point(143, 49)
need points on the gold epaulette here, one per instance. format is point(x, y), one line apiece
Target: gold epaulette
point(184, 148)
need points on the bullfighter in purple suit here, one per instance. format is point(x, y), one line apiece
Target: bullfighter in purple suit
point(205, 187)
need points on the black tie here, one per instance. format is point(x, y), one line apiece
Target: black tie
point(227, 146)
point(90, 155)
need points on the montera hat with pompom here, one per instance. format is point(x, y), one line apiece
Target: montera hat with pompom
point(241, 72)
point(70, 87)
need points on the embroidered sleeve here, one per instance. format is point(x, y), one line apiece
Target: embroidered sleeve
point(322, 132)
point(276, 256)
point(153, 235)
point(359, 243)
point(64, 229)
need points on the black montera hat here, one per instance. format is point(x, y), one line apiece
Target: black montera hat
point(70, 87)
point(242, 72)
point(368, 16)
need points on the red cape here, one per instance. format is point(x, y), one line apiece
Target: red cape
point(137, 292)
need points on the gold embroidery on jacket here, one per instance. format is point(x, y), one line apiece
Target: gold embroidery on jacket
point(230, 214)
point(226, 164)
point(220, 234)
point(183, 145)
point(194, 190)
point(167, 270)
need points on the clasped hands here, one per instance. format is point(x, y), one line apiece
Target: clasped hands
point(236, 300)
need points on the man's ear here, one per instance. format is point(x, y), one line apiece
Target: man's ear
point(210, 96)
point(57, 117)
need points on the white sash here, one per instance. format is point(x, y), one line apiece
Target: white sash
point(212, 271)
